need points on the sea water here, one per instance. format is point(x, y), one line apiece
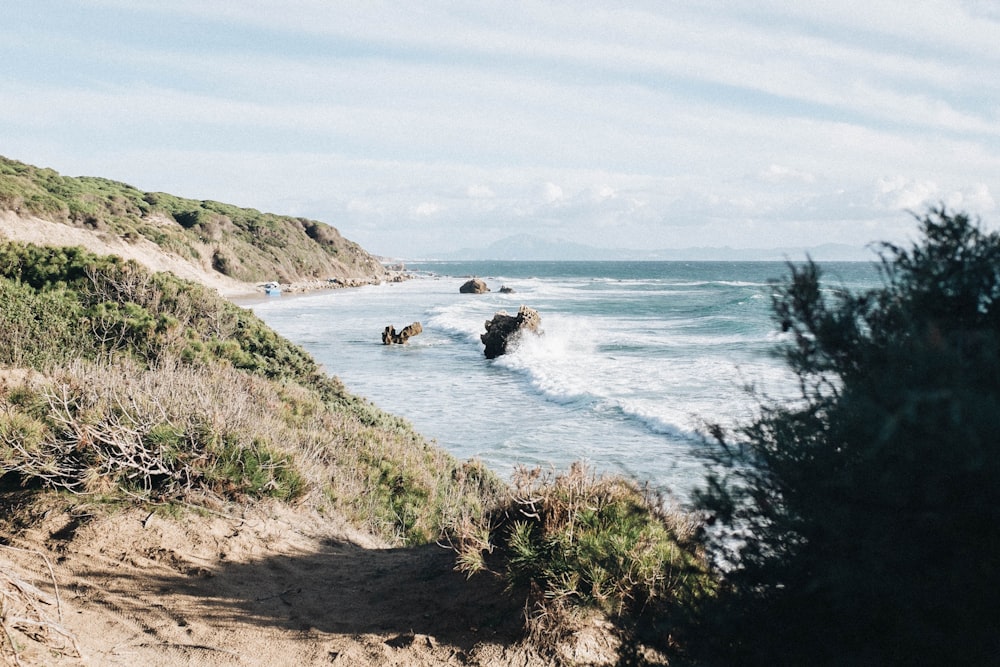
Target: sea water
point(633, 360)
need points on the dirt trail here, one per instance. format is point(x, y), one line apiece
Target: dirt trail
point(267, 587)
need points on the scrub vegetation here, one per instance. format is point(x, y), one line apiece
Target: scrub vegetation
point(241, 243)
point(121, 382)
point(575, 543)
point(857, 524)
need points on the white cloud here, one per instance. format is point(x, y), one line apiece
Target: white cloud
point(425, 209)
point(480, 192)
point(976, 198)
point(551, 192)
point(603, 192)
point(901, 193)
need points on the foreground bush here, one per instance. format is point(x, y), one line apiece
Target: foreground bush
point(150, 434)
point(862, 522)
point(576, 542)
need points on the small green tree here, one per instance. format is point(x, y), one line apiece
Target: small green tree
point(861, 523)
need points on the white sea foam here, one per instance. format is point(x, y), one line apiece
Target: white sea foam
point(627, 370)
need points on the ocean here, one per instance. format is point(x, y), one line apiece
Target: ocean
point(634, 358)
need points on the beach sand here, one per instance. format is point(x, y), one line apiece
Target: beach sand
point(264, 586)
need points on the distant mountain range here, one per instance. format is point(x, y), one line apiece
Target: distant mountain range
point(532, 248)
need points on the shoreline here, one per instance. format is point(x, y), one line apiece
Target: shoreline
point(38, 231)
point(255, 292)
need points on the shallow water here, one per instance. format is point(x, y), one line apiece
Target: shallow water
point(633, 358)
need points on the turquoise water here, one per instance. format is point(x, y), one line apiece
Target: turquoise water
point(633, 359)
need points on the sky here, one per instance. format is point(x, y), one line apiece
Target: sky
point(419, 128)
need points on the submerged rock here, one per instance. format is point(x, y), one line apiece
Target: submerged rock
point(474, 286)
point(390, 337)
point(504, 329)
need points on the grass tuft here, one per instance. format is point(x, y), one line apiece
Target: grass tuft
point(576, 541)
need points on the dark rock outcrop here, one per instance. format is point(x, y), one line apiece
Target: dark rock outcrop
point(505, 329)
point(506, 290)
point(390, 337)
point(474, 286)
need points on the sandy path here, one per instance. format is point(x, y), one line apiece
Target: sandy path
point(259, 589)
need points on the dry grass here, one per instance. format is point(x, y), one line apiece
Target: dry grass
point(28, 614)
point(177, 431)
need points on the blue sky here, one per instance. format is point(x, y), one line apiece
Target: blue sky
point(418, 128)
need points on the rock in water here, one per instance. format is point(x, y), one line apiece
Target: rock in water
point(390, 337)
point(504, 329)
point(474, 286)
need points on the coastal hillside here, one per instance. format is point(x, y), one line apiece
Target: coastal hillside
point(219, 244)
point(181, 485)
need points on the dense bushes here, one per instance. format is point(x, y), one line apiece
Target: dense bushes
point(38, 329)
point(94, 306)
point(862, 522)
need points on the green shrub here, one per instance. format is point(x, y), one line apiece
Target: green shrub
point(577, 541)
point(41, 329)
point(253, 469)
point(49, 268)
point(224, 263)
point(403, 498)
